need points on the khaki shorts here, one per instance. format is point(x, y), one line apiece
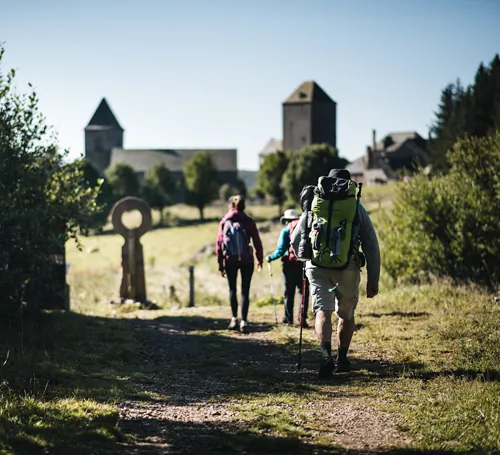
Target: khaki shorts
point(343, 299)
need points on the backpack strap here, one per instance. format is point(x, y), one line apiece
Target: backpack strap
point(355, 222)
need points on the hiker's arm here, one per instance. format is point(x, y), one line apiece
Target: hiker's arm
point(218, 248)
point(282, 246)
point(296, 232)
point(369, 244)
point(254, 234)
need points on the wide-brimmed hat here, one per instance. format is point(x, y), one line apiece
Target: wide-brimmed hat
point(289, 215)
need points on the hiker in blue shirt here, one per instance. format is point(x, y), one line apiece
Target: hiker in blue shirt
point(292, 268)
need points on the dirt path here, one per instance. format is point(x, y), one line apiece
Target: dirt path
point(220, 392)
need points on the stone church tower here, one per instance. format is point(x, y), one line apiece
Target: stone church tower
point(102, 134)
point(309, 117)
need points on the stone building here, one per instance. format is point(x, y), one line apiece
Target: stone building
point(397, 152)
point(102, 134)
point(104, 147)
point(309, 117)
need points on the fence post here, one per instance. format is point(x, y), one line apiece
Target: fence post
point(191, 286)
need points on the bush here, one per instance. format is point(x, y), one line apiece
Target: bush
point(104, 200)
point(268, 300)
point(122, 180)
point(449, 225)
point(226, 191)
point(43, 199)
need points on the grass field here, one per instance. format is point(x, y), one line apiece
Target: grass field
point(107, 379)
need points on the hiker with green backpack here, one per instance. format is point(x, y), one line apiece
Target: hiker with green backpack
point(331, 231)
point(292, 268)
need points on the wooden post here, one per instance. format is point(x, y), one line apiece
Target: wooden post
point(132, 263)
point(191, 286)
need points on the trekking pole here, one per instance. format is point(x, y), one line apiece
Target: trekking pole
point(272, 291)
point(302, 311)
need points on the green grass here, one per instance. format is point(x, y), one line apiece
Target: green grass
point(62, 377)
point(427, 355)
point(461, 414)
point(444, 337)
point(444, 345)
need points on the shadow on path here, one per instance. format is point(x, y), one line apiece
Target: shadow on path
point(231, 438)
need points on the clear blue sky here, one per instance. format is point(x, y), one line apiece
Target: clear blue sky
point(213, 73)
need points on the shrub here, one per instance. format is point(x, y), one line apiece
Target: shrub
point(226, 191)
point(43, 199)
point(449, 225)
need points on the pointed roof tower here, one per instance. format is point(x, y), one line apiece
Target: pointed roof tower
point(104, 117)
point(309, 92)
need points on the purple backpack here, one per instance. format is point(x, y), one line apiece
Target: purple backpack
point(235, 242)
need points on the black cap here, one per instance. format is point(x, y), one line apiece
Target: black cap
point(340, 174)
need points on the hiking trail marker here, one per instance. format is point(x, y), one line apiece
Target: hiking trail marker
point(133, 284)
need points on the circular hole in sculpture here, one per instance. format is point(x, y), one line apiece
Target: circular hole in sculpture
point(132, 219)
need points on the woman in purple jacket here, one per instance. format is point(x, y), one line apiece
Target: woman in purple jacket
point(234, 253)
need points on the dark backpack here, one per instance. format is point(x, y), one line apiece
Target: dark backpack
point(291, 254)
point(235, 242)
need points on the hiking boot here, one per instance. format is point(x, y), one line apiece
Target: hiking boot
point(327, 367)
point(343, 366)
point(233, 325)
point(244, 327)
point(305, 325)
point(287, 321)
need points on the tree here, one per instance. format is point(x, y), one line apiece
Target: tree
point(458, 233)
point(473, 111)
point(226, 191)
point(255, 194)
point(104, 200)
point(306, 166)
point(44, 200)
point(270, 176)
point(449, 124)
point(200, 180)
point(122, 180)
point(241, 187)
point(159, 188)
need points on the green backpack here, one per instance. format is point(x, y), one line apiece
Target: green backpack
point(334, 216)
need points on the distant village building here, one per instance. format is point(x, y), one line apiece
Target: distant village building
point(309, 117)
point(397, 151)
point(104, 147)
point(274, 145)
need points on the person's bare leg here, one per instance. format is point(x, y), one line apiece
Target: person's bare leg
point(345, 330)
point(323, 326)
